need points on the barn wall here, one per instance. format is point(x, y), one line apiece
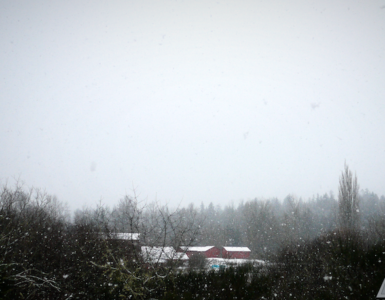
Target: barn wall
point(189, 253)
point(213, 252)
point(235, 254)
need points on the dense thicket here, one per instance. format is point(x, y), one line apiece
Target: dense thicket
point(337, 265)
point(46, 255)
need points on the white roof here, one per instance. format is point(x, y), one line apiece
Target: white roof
point(196, 249)
point(237, 249)
point(238, 261)
point(126, 236)
point(161, 254)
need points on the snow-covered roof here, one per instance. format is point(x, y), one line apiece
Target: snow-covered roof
point(237, 249)
point(196, 248)
point(233, 261)
point(126, 236)
point(161, 254)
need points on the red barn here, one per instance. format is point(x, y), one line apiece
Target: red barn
point(207, 251)
point(236, 252)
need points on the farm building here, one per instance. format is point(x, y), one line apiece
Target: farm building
point(126, 236)
point(121, 236)
point(236, 252)
point(127, 244)
point(125, 239)
point(162, 255)
point(207, 251)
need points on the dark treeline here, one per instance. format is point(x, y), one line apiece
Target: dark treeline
point(46, 254)
point(265, 226)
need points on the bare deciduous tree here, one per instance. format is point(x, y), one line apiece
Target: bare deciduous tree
point(31, 226)
point(159, 228)
point(348, 200)
point(262, 230)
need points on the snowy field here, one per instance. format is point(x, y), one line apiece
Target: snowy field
point(216, 263)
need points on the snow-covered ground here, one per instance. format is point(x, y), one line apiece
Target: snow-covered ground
point(161, 254)
point(214, 263)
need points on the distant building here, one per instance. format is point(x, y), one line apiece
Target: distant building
point(236, 252)
point(125, 236)
point(207, 251)
point(162, 255)
point(124, 244)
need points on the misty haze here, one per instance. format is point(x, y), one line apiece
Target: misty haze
point(192, 149)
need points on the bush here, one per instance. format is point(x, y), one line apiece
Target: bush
point(338, 265)
point(197, 261)
point(245, 282)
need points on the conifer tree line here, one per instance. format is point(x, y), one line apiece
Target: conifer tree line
point(321, 248)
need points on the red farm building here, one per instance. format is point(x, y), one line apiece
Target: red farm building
point(207, 251)
point(236, 252)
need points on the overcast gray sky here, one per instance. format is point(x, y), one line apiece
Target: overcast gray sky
point(191, 101)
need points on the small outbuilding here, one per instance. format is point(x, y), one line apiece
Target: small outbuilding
point(236, 252)
point(206, 251)
point(124, 244)
point(125, 239)
point(162, 255)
